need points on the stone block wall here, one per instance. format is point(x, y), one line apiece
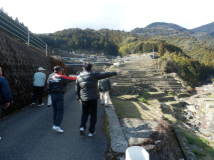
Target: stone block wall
point(160, 149)
point(124, 90)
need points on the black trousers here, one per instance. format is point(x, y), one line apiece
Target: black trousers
point(89, 108)
point(38, 91)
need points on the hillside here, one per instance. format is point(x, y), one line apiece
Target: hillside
point(199, 45)
point(191, 54)
point(208, 28)
point(162, 29)
point(170, 29)
point(163, 25)
point(102, 41)
point(115, 42)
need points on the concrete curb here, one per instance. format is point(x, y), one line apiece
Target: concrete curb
point(118, 141)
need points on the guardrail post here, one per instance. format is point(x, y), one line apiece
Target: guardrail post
point(28, 38)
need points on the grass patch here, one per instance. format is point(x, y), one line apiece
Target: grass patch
point(129, 97)
point(144, 97)
point(198, 153)
point(126, 109)
point(211, 95)
point(154, 103)
point(199, 142)
point(194, 139)
point(169, 118)
point(170, 94)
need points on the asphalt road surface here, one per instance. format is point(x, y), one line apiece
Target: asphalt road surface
point(27, 135)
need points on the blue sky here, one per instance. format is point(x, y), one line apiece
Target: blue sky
point(48, 16)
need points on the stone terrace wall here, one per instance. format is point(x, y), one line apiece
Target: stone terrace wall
point(19, 63)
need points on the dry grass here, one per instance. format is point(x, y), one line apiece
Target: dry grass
point(135, 109)
point(126, 109)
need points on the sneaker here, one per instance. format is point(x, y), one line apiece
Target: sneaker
point(41, 104)
point(49, 105)
point(106, 106)
point(91, 134)
point(82, 131)
point(32, 104)
point(58, 129)
point(53, 127)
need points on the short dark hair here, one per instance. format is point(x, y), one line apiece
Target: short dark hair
point(87, 66)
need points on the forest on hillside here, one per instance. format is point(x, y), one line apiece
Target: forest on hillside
point(173, 58)
point(196, 61)
point(104, 40)
point(184, 61)
point(201, 51)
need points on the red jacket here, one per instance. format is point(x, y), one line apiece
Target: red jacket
point(58, 83)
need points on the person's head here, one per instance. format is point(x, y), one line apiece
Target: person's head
point(0, 71)
point(87, 66)
point(58, 69)
point(40, 69)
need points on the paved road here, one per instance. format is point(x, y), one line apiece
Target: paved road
point(27, 135)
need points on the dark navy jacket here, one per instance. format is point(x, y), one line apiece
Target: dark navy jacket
point(5, 92)
point(87, 84)
point(58, 83)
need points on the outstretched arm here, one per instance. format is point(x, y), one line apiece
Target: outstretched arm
point(68, 79)
point(103, 75)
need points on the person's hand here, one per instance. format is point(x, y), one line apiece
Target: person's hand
point(79, 100)
point(7, 104)
point(118, 72)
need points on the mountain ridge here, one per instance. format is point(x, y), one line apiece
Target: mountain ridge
point(172, 29)
point(162, 25)
point(208, 28)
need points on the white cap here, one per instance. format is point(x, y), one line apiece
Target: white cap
point(41, 69)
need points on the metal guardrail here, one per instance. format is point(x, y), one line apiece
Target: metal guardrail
point(21, 33)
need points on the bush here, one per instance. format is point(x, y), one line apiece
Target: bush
point(144, 97)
